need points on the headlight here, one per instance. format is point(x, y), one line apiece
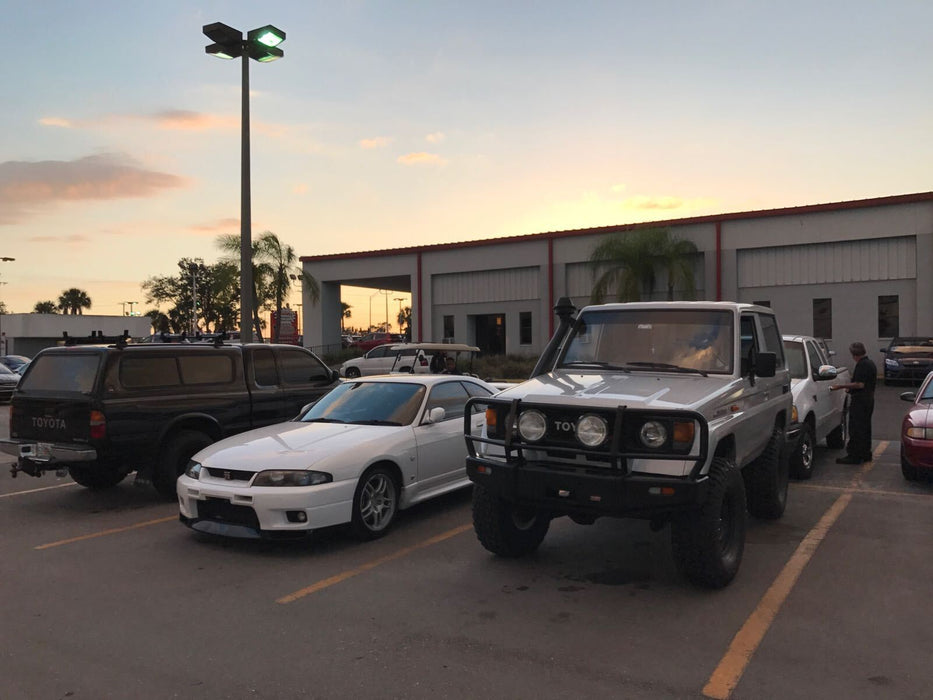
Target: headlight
point(592, 430)
point(653, 434)
point(920, 433)
point(888, 362)
point(532, 425)
point(291, 477)
point(193, 470)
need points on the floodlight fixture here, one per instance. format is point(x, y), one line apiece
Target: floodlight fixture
point(268, 36)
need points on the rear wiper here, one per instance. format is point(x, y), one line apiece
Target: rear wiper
point(665, 367)
point(596, 364)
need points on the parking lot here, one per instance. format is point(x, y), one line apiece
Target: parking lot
point(108, 596)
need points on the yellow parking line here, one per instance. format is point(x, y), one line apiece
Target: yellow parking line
point(732, 666)
point(44, 488)
point(103, 533)
point(350, 573)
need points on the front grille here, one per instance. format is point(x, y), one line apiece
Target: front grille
point(230, 474)
point(221, 510)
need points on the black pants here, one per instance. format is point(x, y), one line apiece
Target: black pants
point(860, 411)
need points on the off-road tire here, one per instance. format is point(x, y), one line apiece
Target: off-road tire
point(836, 440)
point(375, 503)
point(174, 458)
point(708, 542)
point(766, 479)
point(504, 528)
point(801, 461)
point(97, 478)
point(352, 372)
point(907, 469)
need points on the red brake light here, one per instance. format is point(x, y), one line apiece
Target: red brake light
point(98, 425)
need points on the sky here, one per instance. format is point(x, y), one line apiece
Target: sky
point(391, 123)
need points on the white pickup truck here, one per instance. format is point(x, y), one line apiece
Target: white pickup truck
point(819, 414)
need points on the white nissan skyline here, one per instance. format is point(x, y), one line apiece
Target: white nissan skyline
point(364, 451)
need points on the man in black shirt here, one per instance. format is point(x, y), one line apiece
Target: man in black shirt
point(861, 405)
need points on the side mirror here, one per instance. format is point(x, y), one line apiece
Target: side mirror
point(765, 364)
point(826, 372)
point(908, 396)
point(334, 375)
point(435, 415)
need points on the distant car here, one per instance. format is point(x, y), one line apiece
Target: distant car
point(908, 359)
point(917, 432)
point(364, 451)
point(371, 340)
point(13, 361)
point(382, 359)
point(8, 381)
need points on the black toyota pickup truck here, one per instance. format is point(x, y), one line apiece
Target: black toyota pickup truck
point(102, 412)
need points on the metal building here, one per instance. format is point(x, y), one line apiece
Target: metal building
point(846, 271)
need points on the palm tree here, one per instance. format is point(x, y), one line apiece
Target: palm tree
point(344, 313)
point(629, 263)
point(74, 301)
point(273, 263)
point(45, 307)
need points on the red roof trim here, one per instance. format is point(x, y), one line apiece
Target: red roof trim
point(709, 218)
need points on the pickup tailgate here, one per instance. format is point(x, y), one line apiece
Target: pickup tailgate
point(54, 420)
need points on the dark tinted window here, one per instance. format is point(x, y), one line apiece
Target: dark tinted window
point(524, 328)
point(888, 316)
point(149, 372)
point(815, 359)
point(823, 318)
point(264, 368)
point(206, 369)
point(451, 396)
point(63, 372)
point(298, 367)
point(476, 390)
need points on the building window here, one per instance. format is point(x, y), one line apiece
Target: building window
point(823, 318)
point(766, 302)
point(524, 328)
point(449, 327)
point(888, 316)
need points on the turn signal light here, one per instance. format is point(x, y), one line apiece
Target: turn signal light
point(491, 419)
point(98, 425)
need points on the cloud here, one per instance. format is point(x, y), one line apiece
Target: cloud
point(73, 238)
point(186, 120)
point(421, 159)
point(230, 225)
point(300, 188)
point(665, 203)
point(436, 137)
point(378, 142)
point(56, 121)
point(27, 188)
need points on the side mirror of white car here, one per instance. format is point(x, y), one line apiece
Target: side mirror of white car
point(435, 415)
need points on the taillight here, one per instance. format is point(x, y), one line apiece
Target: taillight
point(98, 425)
point(423, 361)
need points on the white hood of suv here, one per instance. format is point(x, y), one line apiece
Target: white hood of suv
point(612, 389)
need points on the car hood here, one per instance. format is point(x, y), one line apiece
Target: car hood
point(920, 415)
point(292, 445)
point(635, 390)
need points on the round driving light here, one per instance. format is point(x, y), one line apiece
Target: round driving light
point(532, 425)
point(592, 430)
point(653, 434)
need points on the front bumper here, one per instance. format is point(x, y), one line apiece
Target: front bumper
point(573, 490)
point(240, 511)
point(917, 452)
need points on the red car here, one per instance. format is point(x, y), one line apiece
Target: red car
point(371, 340)
point(917, 432)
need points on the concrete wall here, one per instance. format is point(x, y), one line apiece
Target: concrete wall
point(27, 334)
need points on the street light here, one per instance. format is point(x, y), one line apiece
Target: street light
point(260, 45)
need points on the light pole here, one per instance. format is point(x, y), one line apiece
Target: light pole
point(132, 304)
point(378, 291)
point(260, 45)
point(3, 337)
point(387, 292)
point(399, 319)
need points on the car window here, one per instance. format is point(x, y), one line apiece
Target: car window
point(749, 342)
point(796, 362)
point(149, 372)
point(475, 390)
point(815, 358)
point(451, 396)
point(264, 370)
point(771, 337)
point(299, 367)
point(62, 372)
point(392, 403)
point(206, 369)
point(376, 352)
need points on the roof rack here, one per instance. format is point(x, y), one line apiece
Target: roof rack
point(97, 338)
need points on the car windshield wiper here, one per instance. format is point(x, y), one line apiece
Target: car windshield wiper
point(595, 364)
point(665, 367)
point(323, 420)
point(374, 421)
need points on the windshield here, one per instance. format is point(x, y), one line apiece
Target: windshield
point(796, 362)
point(697, 340)
point(387, 403)
point(62, 372)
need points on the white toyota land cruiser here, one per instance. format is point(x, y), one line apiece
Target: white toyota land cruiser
point(668, 411)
